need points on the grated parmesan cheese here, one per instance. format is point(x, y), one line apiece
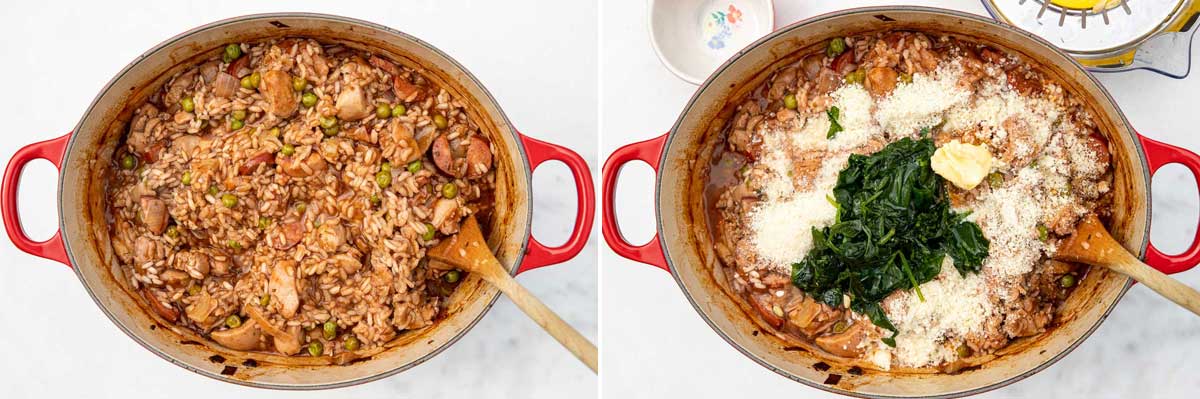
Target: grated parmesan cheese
point(922, 103)
point(954, 306)
point(1009, 217)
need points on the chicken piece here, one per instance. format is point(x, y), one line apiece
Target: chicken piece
point(352, 104)
point(245, 337)
point(881, 81)
point(282, 284)
point(153, 213)
point(276, 88)
point(402, 142)
point(196, 264)
point(330, 236)
point(219, 266)
point(145, 250)
point(289, 343)
point(347, 263)
point(294, 166)
point(185, 144)
point(847, 344)
point(174, 278)
point(178, 88)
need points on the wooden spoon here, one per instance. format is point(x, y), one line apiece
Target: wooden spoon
point(1092, 244)
point(468, 252)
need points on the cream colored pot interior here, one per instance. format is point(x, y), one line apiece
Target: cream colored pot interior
point(86, 232)
point(686, 240)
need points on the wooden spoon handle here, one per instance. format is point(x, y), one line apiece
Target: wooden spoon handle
point(536, 310)
point(1166, 286)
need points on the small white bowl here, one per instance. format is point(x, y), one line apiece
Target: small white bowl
point(693, 37)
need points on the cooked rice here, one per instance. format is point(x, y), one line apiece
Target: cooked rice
point(354, 261)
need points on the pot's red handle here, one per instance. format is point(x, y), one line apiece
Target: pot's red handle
point(1157, 155)
point(50, 150)
point(537, 254)
point(649, 152)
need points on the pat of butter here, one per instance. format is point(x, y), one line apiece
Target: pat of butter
point(964, 165)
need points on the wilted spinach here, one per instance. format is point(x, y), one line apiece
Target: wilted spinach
point(894, 226)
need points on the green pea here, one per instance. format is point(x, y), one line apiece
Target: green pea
point(383, 179)
point(840, 327)
point(837, 46)
point(963, 350)
point(264, 300)
point(274, 132)
point(308, 99)
point(1043, 233)
point(789, 101)
point(415, 166)
point(301, 207)
point(429, 232)
point(233, 321)
point(232, 52)
point(128, 162)
point(173, 232)
point(229, 200)
point(255, 79)
point(187, 104)
point(905, 78)
point(386, 166)
point(440, 121)
point(375, 201)
point(234, 244)
point(330, 329)
point(328, 121)
point(449, 190)
point(288, 150)
point(857, 76)
point(351, 343)
point(239, 114)
point(194, 289)
point(299, 83)
point(452, 276)
point(186, 179)
point(213, 190)
point(264, 222)
point(315, 348)
point(236, 124)
point(995, 179)
point(330, 131)
point(246, 83)
point(1067, 281)
point(383, 111)
point(399, 110)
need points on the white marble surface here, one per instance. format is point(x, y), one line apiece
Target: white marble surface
point(655, 345)
point(57, 56)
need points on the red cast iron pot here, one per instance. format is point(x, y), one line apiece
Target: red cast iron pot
point(682, 245)
point(82, 240)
